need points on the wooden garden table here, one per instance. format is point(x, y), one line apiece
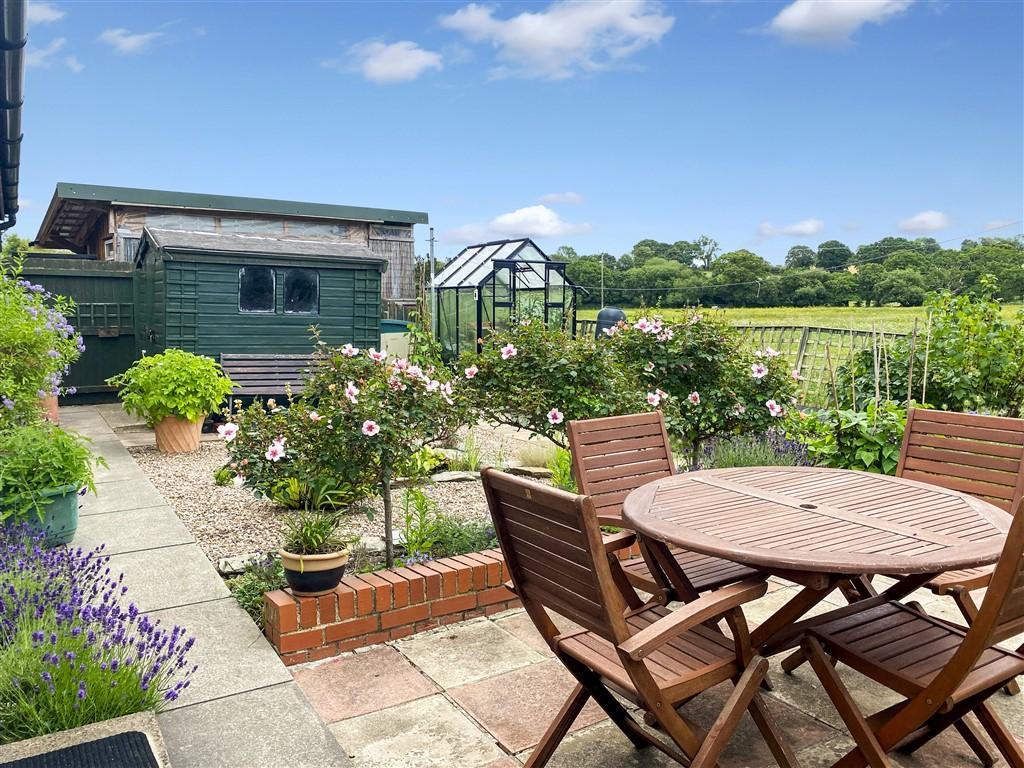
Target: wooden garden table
point(819, 528)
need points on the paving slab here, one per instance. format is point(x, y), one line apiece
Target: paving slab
point(517, 707)
point(803, 691)
point(119, 495)
point(270, 727)
point(132, 530)
point(466, 652)
point(168, 577)
point(362, 682)
point(604, 746)
point(419, 734)
point(232, 654)
point(519, 624)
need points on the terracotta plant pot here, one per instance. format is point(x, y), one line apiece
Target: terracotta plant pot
point(175, 435)
point(313, 575)
point(51, 411)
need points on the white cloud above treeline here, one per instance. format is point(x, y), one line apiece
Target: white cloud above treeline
point(43, 13)
point(531, 221)
point(565, 38)
point(126, 43)
point(804, 228)
point(831, 22)
point(385, 63)
point(924, 222)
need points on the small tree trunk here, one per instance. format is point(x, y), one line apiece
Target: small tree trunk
point(389, 543)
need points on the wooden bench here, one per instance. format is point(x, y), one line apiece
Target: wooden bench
point(256, 375)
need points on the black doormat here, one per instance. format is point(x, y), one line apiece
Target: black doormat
point(123, 750)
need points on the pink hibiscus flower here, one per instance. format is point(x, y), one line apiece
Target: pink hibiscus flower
point(774, 408)
point(377, 357)
point(555, 416)
point(509, 350)
point(228, 431)
point(349, 351)
point(351, 390)
point(472, 371)
point(653, 399)
point(694, 398)
point(759, 370)
point(275, 452)
point(370, 428)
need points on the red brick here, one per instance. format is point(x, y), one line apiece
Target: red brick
point(281, 606)
point(492, 567)
point(364, 594)
point(477, 570)
point(327, 608)
point(449, 580)
point(452, 618)
point(399, 632)
point(346, 597)
point(417, 589)
point(300, 641)
point(408, 615)
point(294, 658)
point(463, 574)
point(494, 595)
point(362, 642)
point(307, 612)
point(399, 587)
point(452, 604)
point(432, 581)
point(347, 629)
point(381, 591)
point(490, 610)
point(323, 652)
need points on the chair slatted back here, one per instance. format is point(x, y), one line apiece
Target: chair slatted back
point(980, 455)
point(615, 455)
point(549, 539)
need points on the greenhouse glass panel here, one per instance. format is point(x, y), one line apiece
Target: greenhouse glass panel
point(467, 319)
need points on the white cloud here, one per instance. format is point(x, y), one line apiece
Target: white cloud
point(43, 57)
point(925, 221)
point(1000, 224)
point(831, 22)
point(125, 43)
point(43, 13)
point(388, 62)
point(74, 64)
point(804, 228)
point(567, 37)
point(562, 198)
point(532, 221)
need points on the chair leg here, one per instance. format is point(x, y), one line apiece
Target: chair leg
point(615, 711)
point(731, 714)
point(765, 723)
point(1001, 737)
point(978, 746)
point(871, 752)
point(969, 609)
point(559, 727)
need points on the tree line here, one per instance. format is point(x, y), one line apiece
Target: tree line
point(893, 270)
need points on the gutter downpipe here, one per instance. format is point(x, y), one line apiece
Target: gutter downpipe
point(12, 84)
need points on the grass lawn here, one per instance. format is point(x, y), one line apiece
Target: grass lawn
point(859, 318)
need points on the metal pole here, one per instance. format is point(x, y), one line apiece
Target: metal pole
point(602, 279)
point(433, 294)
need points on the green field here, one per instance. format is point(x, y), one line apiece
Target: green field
point(859, 318)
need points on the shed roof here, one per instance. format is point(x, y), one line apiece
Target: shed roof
point(474, 263)
point(176, 240)
point(73, 205)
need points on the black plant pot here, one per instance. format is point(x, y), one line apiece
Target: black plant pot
point(313, 575)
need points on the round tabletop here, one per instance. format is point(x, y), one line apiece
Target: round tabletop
point(819, 520)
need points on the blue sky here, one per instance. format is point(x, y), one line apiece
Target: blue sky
point(761, 124)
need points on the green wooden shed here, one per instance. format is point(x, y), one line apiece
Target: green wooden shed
point(213, 293)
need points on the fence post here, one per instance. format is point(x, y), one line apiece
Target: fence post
point(801, 349)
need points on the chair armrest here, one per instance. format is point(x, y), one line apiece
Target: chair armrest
point(704, 608)
point(613, 542)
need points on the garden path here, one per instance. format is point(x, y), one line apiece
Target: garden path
point(242, 708)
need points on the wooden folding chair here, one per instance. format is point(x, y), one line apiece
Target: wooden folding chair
point(615, 455)
point(944, 672)
point(651, 656)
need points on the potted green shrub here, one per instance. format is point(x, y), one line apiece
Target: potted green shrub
point(173, 391)
point(43, 469)
point(314, 553)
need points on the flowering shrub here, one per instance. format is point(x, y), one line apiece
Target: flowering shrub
point(41, 457)
point(38, 344)
point(539, 379)
point(722, 388)
point(70, 652)
point(868, 440)
point(287, 455)
point(172, 383)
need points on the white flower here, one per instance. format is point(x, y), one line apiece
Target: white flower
point(280, 440)
point(472, 371)
point(415, 372)
point(739, 410)
point(238, 481)
point(314, 416)
point(275, 452)
point(377, 357)
point(796, 375)
point(555, 416)
point(351, 390)
point(509, 350)
point(643, 324)
point(769, 352)
point(774, 408)
point(611, 331)
point(228, 431)
point(695, 319)
point(349, 351)
point(666, 335)
point(759, 370)
point(370, 428)
point(650, 366)
point(433, 385)
point(653, 399)
point(694, 398)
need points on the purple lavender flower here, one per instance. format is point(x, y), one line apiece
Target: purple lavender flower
point(7, 403)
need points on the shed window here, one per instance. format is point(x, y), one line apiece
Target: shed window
point(301, 291)
point(256, 289)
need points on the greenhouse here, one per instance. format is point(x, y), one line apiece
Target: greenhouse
point(486, 285)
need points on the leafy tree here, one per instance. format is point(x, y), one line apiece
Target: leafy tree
point(801, 257)
point(734, 273)
point(900, 286)
point(881, 249)
point(833, 254)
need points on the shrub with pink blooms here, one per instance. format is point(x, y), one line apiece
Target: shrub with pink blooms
point(722, 386)
point(540, 379)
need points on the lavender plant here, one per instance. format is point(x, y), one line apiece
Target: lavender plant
point(71, 651)
point(769, 449)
